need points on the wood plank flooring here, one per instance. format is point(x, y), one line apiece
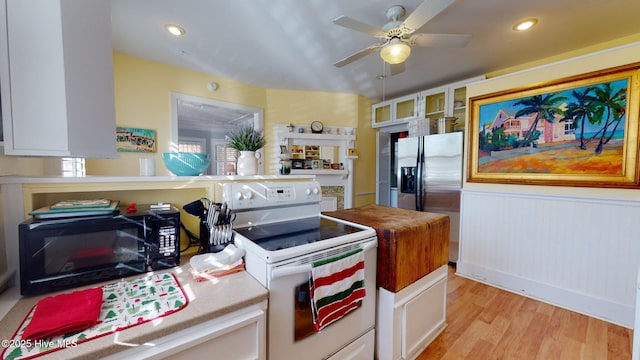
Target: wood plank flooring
point(488, 323)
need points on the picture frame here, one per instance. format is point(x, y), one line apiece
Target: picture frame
point(297, 164)
point(135, 140)
point(576, 131)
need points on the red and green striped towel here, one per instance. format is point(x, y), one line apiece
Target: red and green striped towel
point(337, 287)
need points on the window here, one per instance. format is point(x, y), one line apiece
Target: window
point(192, 145)
point(73, 167)
point(224, 159)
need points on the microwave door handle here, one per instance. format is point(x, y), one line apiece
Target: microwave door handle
point(290, 270)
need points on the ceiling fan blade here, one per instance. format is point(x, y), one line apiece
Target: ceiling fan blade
point(356, 25)
point(425, 12)
point(359, 55)
point(397, 68)
point(440, 40)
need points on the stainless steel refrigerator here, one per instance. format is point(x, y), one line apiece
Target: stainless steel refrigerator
point(430, 178)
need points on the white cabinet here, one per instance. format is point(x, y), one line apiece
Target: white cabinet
point(449, 100)
point(56, 73)
point(381, 114)
point(237, 335)
point(401, 109)
point(409, 320)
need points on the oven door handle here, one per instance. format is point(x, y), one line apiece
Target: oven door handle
point(301, 269)
point(290, 270)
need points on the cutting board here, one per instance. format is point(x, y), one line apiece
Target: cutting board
point(411, 244)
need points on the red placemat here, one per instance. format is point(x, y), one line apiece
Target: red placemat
point(124, 304)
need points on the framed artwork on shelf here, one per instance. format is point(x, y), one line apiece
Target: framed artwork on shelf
point(135, 139)
point(577, 131)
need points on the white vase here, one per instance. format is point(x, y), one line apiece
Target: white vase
point(247, 163)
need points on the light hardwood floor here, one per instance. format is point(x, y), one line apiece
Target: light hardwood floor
point(488, 323)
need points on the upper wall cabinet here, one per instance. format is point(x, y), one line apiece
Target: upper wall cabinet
point(56, 78)
point(400, 109)
point(449, 100)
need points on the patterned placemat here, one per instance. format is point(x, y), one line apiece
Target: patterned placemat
point(124, 304)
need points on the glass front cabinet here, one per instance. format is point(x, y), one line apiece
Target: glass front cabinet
point(381, 114)
point(400, 109)
point(449, 100)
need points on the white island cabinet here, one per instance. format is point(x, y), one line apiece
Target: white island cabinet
point(56, 78)
point(238, 335)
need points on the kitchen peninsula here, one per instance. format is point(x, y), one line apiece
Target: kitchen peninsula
point(222, 315)
point(236, 300)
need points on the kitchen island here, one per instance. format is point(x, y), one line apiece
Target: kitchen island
point(225, 315)
point(413, 250)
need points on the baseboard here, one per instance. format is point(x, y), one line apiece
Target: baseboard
point(618, 314)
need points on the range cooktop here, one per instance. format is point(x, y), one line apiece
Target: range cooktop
point(291, 233)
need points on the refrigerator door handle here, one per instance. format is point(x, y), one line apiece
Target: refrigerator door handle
point(420, 171)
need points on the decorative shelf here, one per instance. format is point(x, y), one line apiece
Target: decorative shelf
point(318, 172)
point(294, 135)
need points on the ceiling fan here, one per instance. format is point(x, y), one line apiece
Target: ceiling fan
point(397, 37)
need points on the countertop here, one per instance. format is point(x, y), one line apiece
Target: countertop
point(207, 300)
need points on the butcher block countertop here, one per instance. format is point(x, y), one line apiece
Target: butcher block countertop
point(411, 244)
point(207, 300)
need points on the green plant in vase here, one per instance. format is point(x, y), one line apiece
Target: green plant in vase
point(247, 140)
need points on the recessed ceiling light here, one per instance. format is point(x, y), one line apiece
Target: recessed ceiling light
point(175, 29)
point(525, 25)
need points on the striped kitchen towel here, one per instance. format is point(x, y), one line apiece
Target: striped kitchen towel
point(337, 287)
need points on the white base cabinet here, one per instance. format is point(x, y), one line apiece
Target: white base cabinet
point(237, 335)
point(409, 320)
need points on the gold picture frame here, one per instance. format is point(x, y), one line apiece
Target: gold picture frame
point(576, 131)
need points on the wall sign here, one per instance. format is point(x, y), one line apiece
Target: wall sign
point(135, 139)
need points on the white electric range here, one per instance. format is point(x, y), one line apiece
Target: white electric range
point(280, 226)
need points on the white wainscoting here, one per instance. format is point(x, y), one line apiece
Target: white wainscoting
point(579, 253)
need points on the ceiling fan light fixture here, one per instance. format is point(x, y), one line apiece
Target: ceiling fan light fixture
point(395, 52)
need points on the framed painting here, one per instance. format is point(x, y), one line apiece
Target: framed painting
point(135, 140)
point(578, 131)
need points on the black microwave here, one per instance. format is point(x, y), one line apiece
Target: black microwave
point(65, 253)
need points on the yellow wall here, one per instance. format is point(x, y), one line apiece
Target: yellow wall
point(365, 165)
point(142, 99)
point(332, 109)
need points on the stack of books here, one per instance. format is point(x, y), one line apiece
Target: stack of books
point(74, 208)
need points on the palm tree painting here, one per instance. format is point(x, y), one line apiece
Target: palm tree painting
point(580, 132)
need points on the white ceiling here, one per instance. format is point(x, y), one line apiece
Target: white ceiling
point(292, 44)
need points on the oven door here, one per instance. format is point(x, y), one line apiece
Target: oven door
point(291, 333)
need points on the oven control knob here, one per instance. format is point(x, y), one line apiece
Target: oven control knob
point(248, 195)
point(239, 196)
point(311, 191)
